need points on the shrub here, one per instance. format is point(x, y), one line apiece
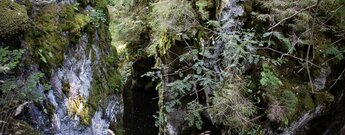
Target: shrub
point(173, 17)
point(230, 108)
point(9, 59)
point(97, 17)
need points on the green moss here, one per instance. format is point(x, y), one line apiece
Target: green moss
point(48, 44)
point(13, 18)
point(270, 11)
point(98, 93)
point(65, 87)
point(105, 82)
point(56, 26)
point(99, 4)
point(114, 81)
point(323, 98)
point(80, 22)
point(289, 100)
point(103, 86)
point(337, 14)
point(78, 108)
point(307, 102)
point(297, 98)
point(50, 110)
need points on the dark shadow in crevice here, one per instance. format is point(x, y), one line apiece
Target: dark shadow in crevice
point(140, 100)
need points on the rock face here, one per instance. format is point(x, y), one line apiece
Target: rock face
point(77, 60)
point(66, 44)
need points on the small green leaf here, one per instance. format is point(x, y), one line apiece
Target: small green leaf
point(267, 34)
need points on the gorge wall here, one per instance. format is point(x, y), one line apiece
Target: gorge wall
point(177, 67)
point(66, 46)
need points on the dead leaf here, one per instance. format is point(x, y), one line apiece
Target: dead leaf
point(20, 108)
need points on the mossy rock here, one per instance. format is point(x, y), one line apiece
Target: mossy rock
point(105, 82)
point(78, 108)
point(13, 18)
point(56, 27)
point(323, 98)
point(80, 21)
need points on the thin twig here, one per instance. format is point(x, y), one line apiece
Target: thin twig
point(292, 56)
point(337, 79)
point(308, 70)
point(287, 18)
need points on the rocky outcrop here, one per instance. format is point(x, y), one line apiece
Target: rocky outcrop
point(81, 87)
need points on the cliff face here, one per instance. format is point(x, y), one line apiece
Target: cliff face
point(187, 66)
point(68, 43)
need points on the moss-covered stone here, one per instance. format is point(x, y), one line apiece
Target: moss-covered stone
point(13, 18)
point(323, 98)
point(78, 108)
point(103, 85)
point(55, 27)
point(80, 21)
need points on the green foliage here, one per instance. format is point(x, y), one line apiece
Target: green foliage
point(97, 17)
point(335, 11)
point(289, 100)
point(42, 57)
point(202, 5)
point(160, 120)
point(174, 21)
point(128, 23)
point(127, 29)
point(282, 106)
point(76, 6)
point(285, 121)
point(9, 59)
point(254, 94)
point(268, 77)
point(280, 9)
point(9, 85)
point(122, 6)
point(173, 17)
point(180, 87)
point(193, 116)
point(230, 108)
point(280, 38)
point(237, 49)
point(334, 51)
point(24, 92)
point(255, 130)
point(30, 85)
